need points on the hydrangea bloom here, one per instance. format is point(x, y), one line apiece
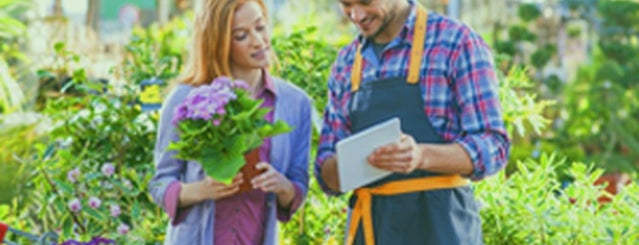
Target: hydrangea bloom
point(207, 102)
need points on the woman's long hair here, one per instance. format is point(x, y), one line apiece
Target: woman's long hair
point(210, 55)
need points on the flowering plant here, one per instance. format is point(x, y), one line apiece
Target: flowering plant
point(218, 124)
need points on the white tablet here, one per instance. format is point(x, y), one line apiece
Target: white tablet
point(352, 153)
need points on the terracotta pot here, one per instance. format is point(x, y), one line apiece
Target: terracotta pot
point(249, 170)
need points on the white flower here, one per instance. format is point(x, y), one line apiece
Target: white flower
point(73, 175)
point(115, 210)
point(123, 229)
point(108, 169)
point(94, 202)
point(75, 205)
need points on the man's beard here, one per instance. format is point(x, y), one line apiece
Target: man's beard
point(385, 23)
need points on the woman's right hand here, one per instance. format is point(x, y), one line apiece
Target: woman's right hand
point(212, 189)
point(207, 189)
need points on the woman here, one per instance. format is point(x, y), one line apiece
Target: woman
point(232, 39)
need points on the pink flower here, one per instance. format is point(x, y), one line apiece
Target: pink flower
point(108, 169)
point(94, 202)
point(73, 175)
point(75, 205)
point(115, 210)
point(327, 230)
point(123, 229)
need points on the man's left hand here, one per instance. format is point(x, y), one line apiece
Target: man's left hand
point(401, 157)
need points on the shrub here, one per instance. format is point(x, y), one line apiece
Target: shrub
point(531, 207)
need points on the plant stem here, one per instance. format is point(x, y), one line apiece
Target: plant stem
point(55, 190)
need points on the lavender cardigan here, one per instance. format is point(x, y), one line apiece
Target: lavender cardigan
point(289, 155)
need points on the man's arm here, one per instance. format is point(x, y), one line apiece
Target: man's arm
point(445, 158)
point(483, 134)
point(329, 174)
point(482, 147)
point(334, 128)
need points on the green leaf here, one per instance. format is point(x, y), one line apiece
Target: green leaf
point(222, 168)
point(262, 112)
point(93, 213)
point(282, 127)
point(265, 130)
point(63, 186)
point(59, 205)
point(48, 152)
point(44, 74)
point(59, 47)
point(67, 226)
point(92, 176)
point(121, 186)
point(4, 211)
point(135, 211)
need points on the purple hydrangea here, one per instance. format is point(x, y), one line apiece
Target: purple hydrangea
point(73, 175)
point(75, 205)
point(115, 210)
point(123, 229)
point(108, 169)
point(208, 102)
point(94, 202)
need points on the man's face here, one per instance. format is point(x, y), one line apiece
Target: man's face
point(370, 16)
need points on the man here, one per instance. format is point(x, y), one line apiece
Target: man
point(438, 77)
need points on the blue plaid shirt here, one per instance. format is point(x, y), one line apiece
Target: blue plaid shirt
point(457, 80)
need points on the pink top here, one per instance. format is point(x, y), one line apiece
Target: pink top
point(239, 219)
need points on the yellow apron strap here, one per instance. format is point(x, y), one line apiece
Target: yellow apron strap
point(356, 76)
point(416, 53)
point(417, 50)
point(362, 209)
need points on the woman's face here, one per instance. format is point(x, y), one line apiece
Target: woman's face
point(250, 38)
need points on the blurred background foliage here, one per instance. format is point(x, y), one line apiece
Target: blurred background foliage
point(568, 74)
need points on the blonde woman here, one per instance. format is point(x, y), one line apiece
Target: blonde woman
point(232, 39)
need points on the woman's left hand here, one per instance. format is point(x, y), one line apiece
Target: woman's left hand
point(271, 180)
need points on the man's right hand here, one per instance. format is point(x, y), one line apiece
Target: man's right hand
point(329, 173)
point(207, 189)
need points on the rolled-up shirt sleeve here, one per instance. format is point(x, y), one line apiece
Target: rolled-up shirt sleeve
point(285, 214)
point(475, 83)
point(172, 203)
point(335, 124)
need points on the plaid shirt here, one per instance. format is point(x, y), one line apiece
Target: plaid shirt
point(458, 84)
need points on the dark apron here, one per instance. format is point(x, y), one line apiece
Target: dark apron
point(445, 216)
point(448, 216)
